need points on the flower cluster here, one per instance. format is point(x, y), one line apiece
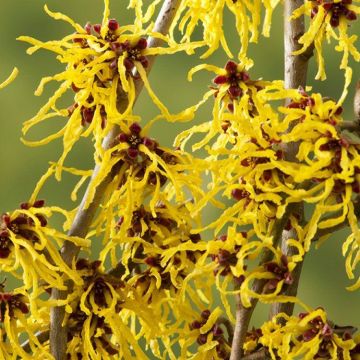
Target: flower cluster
point(29, 248)
point(269, 150)
point(210, 335)
point(309, 335)
point(103, 62)
point(248, 163)
point(210, 15)
point(91, 313)
point(327, 17)
point(15, 321)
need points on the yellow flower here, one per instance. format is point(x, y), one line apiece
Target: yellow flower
point(143, 164)
point(329, 20)
point(18, 325)
point(101, 315)
point(210, 14)
point(90, 309)
point(310, 335)
point(245, 141)
point(208, 333)
point(103, 62)
point(29, 249)
point(240, 105)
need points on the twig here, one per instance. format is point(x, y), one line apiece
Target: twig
point(42, 336)
point(261, 354)
point(228, 326)
point(295, 76)
point(292, 288)
point(357, 101)
point(83, 217)
point(243, 314)
point(352, 126)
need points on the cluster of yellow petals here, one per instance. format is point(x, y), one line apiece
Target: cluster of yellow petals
point(245, 145)
point(209, 14)
point(18, 328)
point(307, 336)
point(102, 62)
point(326, 26)
point(30, 252)
point(159, 266)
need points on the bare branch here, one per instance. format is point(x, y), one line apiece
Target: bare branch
point(357, 101)
point(83, 217)
point(42, 336)
point(352, 126)
point(261, 354)
point(229, 328)
point(243, 314)
point(295, 76)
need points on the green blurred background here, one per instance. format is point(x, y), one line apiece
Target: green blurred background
point(324, 279)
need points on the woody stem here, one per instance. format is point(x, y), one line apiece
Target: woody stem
point(84, 216)
point(295, 76)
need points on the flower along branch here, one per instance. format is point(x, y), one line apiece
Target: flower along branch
point(272, 149)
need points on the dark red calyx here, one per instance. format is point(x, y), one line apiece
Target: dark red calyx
point(195, 325)
point(350, 15)
point(152, 261)
point(129, 64)
point(217, 330)
point(335, 21)
point(144, 61)
point(309, 334)
point(141, 44)
point(205, 314)
point(195, 238)
point(149, 143)
point(234, 91)
point(220, 79)
point(87, 28)
point(231, 109)
point(122, 137)
point(39, 203)
point(113, 25)
point(231, 67)
point(75, 88)
point(78, 40)
point(135, 128)
point(239, 194)
point(97, 28)
point(202, 339)
point(339, 110)
point(87, 115)
point(132, 153)
point(245, 76)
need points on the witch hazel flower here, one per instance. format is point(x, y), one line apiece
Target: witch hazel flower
point(330, 20)
point(103, 63)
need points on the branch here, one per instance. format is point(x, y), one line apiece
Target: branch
point(261, 354)
point(352, 126)
point(84, 217)
point(42, 336)
point(228, 326)
point(243, 314)
point(357, 101)
point(295, 76)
